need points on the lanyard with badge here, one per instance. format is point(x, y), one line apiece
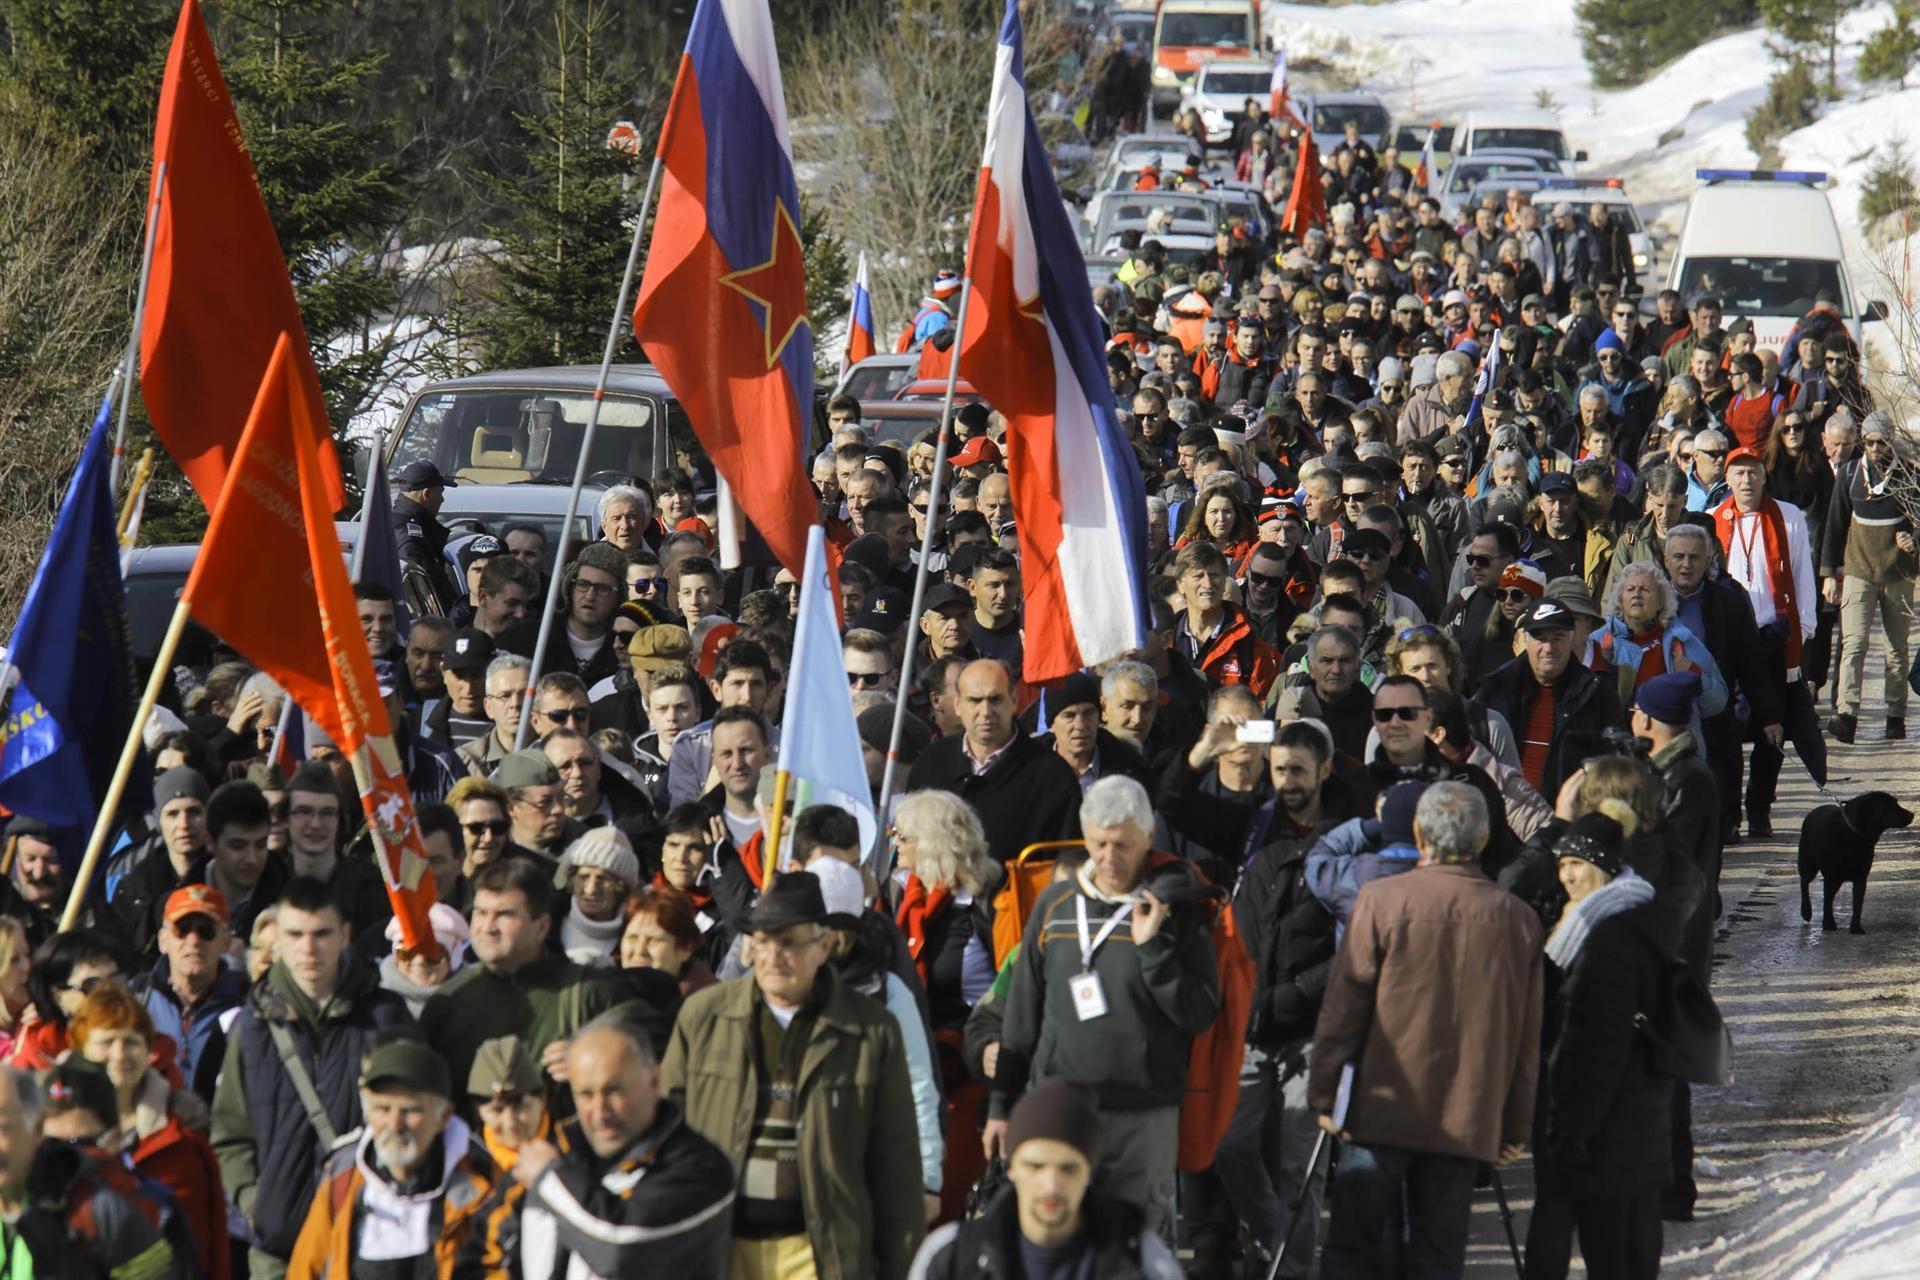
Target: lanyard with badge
point(1089, 1001)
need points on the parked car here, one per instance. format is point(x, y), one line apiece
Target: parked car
point(878, 377)
point(1327, 114)
point(1220, 91)
point(1455, 190)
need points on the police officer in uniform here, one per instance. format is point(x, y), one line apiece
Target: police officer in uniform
point(422, 538)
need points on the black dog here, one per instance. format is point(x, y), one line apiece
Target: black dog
point(1836, 844)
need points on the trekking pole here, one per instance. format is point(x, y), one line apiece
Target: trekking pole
point(1506, 1220)
point(1293, 1216)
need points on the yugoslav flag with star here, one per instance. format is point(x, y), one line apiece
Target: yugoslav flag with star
point(722, 310)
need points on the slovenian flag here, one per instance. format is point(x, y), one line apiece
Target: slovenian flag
point(722, 311)
point(1485, 381)
point(1032, 348)
point(859, 319)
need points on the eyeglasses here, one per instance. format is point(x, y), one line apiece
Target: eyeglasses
point(569, 715)
point(204, 928)
point(1368, 496)
point(1793, 428)
point(648, 586)
point(1267, 580)
point(1513, 595)
point(787, 588)
point(866, 679)
point(596, 589)
point(497, 827)
point(1381, 715)
point(1369, 553)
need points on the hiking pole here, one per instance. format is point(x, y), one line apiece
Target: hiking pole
point(1506, 1220)
point(1293, 1215)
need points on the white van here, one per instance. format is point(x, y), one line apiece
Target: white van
point(1766, 244)
point(1514, 129)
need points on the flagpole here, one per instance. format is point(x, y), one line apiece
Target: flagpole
point(141, 474)
point(103, 824)
point(586, 449)
point(926, 555)
point(366, 495)
point(139, 313)
point(771, 861)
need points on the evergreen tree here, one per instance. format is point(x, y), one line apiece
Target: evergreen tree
point(89, 71)
point(565, 243)
point(328, 179)
point(1809, 31)
point(829, 276)
point(1625, 40)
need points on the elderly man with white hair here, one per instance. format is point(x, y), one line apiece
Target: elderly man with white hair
point(1434, 1004)
point(1433, 411)
point(624, 516)
point(1115, 977)
point(404, 1199)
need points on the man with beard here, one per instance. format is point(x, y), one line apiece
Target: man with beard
point(403, 1200)
point(39, 884)
point(1867, 566)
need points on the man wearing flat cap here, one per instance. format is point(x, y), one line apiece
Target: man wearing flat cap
point(803, 1083)
point(402, 1201)
point(1049, 1210)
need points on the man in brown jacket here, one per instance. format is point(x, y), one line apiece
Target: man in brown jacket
point(1434, 1002)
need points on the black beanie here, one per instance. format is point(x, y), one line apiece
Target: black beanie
point(1595, 838)
point(1060, 1110)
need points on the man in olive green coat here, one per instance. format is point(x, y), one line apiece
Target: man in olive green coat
point(803, 1083)
point(515, 987)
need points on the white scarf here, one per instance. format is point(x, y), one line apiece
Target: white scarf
point(589, 941)
point(393, 1225)
point(1623, 893)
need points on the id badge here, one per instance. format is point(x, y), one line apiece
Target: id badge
point(1089, 1001)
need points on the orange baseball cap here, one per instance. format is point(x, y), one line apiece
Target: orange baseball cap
point(196, 900)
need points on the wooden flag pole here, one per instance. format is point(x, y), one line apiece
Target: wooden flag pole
point(771, 859)
point(103, 825)
point(132, 358)
point(620, 318)
point(142, 472)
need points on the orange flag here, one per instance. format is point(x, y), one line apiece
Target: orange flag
point(1307, 202)
point(219, 293)
point(281, 597)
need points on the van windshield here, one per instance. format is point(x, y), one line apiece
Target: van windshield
point(1241, 84)
point(1194, 30)
point(1551, 141)
point(1760, 286)
point(518, 436)
point(1332, 117)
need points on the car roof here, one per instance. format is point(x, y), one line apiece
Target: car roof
point(642, 379)
point(1760, 220)
point(1344, 99)
point(1523, 117)
point(163, 559)
point(515, 499)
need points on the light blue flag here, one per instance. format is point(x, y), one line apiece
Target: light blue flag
point(819, 742)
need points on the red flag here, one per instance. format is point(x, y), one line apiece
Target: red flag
point(257, 549)
point(219, 294)
point(722, 310)
point(1307, 202)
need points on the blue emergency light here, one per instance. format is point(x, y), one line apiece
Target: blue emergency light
point(1567, 182)
point(1805, 177)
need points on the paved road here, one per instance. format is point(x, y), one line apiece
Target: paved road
point(1825, 1026)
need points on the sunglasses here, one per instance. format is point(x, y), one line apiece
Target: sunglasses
point(86, 988)
point(569, 715)
point(866, 679)
point(1264, 580)
point(1381, 715)
point(1513, 595)
point(201, 927)
point(1368, 554)
point(1480, 562)
point(1368, 496)
point(497, 827)
point(1415, 633)
point(1710, 453)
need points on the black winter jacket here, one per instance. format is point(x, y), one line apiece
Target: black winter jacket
point(1028, 795)
point(1586, 704)
point(989, 1247)
point(1287, 932)
point(1601, 1128)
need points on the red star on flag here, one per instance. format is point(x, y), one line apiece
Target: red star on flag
point(779, 284)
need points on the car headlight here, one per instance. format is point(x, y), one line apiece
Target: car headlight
point(1213, 117)
point(1641, 260)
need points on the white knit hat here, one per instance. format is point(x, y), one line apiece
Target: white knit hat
point(841, 887)
point(604, 847)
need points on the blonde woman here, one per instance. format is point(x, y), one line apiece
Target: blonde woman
point(941, 895)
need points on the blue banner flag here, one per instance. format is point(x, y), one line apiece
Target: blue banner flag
point(72, 705)
point(380, 562)
point(819, 741)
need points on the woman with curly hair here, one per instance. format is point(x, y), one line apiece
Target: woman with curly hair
point(1643, 638)
point(1219, 516)
point(941, 897)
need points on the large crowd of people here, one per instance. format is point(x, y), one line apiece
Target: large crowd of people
point(1455, 688)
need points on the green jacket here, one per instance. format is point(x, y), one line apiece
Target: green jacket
point(859, 1144)
point(546, 1000)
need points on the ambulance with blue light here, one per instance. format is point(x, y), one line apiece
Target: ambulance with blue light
point(1765, 243)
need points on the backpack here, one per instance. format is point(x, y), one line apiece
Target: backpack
point(1686, 1035)
point(1213, 1062)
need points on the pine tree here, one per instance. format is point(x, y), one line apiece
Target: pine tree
point(565, 244)
point(90, 70)
point(1625, 40)
point(829, 276)
point(1809, 31)
point(329, 184)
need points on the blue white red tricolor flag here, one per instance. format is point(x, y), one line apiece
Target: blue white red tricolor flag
point(1032, 348)
point(722, 310)
point(859, 319)
point(1424, 173)
point(1277, 86)
point(1485, 381)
